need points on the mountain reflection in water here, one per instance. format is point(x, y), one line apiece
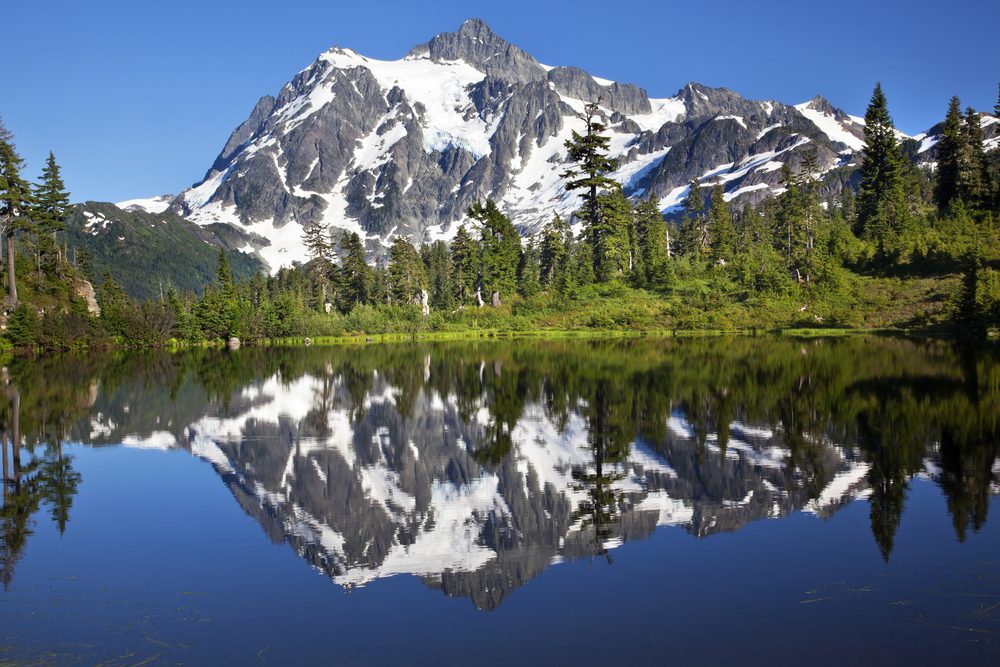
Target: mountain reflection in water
point(475, 466)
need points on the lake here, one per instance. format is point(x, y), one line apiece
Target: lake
point(692, 501)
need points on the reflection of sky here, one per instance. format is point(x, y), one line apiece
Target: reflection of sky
point(159, 561)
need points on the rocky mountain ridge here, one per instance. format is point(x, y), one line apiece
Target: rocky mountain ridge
point(405, 147)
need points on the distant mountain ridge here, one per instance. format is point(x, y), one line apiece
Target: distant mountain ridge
point(405, 147)
point(147, 252)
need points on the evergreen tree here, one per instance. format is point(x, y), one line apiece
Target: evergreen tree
point(651, 232)
point(721, 233)
point(407, 277)
point(115, 307)
point(529, 272)
point(437, 263)
point(185, 323)
point(553, 251)
point(613, 254)
point(465, 266)
point(500, 248)
point(50, 211)
point(972, 178)
point(355, 274)
point(692, 239)
point(589, 152)
point(15, 205)
point(316, 238)
point(811, 216)
point(949, 149)
point(882, 211)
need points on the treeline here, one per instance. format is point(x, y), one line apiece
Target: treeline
point(622, 263)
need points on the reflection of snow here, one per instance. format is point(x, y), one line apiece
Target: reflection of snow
point(443, 510)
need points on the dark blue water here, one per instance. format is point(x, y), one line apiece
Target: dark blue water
point(698, 502)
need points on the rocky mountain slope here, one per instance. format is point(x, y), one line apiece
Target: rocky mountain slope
point(405, 146)
point(145, 251)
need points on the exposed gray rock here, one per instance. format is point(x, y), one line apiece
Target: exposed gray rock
point(406, 147)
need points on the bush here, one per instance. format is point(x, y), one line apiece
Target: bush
point(23, 327)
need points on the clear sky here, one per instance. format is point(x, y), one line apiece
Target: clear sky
point(136, 98)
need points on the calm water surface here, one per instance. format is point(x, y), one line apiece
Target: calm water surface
point(703, 501)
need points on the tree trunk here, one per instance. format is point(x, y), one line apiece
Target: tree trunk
point(3, 452)
point(11, 278)
point(16, 439)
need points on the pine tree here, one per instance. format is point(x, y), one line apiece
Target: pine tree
point(15, 205)
point(693, 233)
point(500, 250)
point(651, 231)
point(50, 210)
point(437, 263)
point(355, 274)
point(810, 216)
point(948, 151)
point(316, 238)
point(613, 254)
point(972, 178)
point(529, 272)
point(589, 152)
point(789, 218)
point(407, 277)
point(721, 233)
point(553, 251)
point(882, 211)
point(465, 266)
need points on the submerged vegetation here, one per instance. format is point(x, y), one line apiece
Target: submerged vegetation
point(912, 249)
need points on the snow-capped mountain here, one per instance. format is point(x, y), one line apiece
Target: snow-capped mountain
point(406, 146)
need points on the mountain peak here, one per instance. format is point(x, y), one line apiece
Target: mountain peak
point(819, 103)
point(476, 44)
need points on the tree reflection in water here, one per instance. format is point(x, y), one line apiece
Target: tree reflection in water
point(476, 465)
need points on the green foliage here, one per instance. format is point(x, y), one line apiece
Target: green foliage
point(407, 276)
point(589, 153)
point(500, 247)
point(355, 274)
point(24, 326)
point(882, 210)
point(149, 253)
point(465, 260)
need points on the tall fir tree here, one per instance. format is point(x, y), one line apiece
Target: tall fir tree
point(437, 263)
point(614, 252)
point(881, 202)
point(407, 277)
point(500, 247)
point(316, 238)
point(693, 233)
point(15, 205)
point(529, 272)
point(721, 233)
point(651, 231)
point(553, 252)
point(51, 209)
point(355, 274)
point(589, 153)
point(972, 181)
point(465, 267)
point(949, 149)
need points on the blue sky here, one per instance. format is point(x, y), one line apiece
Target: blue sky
point(137, 98)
